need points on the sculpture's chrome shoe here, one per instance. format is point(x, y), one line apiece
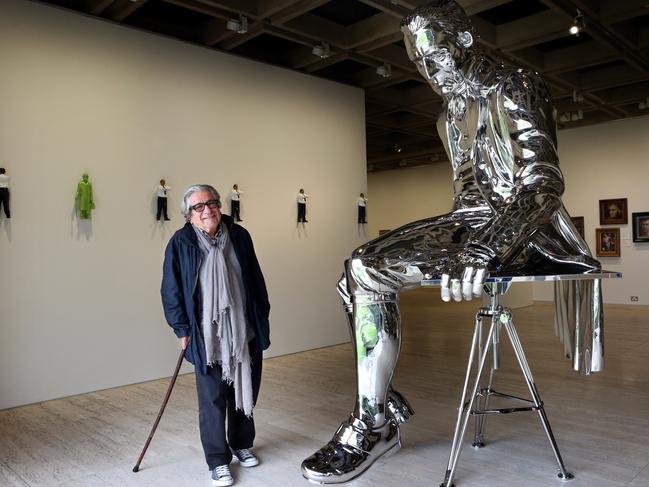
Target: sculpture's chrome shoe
point(398, 407)
point(352, 450)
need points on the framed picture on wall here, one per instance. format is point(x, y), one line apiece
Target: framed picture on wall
point(613, 212)
point(578, 222)
point(608, 242)
point(640, 226)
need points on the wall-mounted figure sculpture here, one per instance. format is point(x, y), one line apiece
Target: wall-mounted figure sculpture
point(4, 192)
point(84, 200)
point(301, 206)
point(362, 208)
point(163, 189)
point(499, 131)
point(235, 203)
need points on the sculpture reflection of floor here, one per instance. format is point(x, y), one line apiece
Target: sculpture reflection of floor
point(601, 422)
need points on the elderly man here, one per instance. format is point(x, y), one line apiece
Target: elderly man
point(214, 297)
point(498, 127)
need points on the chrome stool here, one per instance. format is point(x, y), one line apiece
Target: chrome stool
point(479, 396)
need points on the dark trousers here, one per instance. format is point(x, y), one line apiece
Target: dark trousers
point(361, 214)
point(234, 210)
point(4, 201)
point(162, 208)
point(301, 212)
point(215, 404)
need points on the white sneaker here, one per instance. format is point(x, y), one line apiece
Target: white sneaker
point(221, 476)
point(246, 457)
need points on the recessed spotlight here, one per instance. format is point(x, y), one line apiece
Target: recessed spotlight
point(240, 25)
point(385, 70)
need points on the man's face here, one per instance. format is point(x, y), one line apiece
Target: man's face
point(433, 54)
point(209, 218)
point(644, 227)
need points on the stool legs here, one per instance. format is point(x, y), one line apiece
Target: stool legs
point(464, 411)
point(531, 385)
point(479, 396)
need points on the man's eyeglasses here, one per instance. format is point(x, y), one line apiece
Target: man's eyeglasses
point(211, 204)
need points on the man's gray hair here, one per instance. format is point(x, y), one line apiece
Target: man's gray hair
point(195, 189)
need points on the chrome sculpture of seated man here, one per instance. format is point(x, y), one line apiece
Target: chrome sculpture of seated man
point(499, 130)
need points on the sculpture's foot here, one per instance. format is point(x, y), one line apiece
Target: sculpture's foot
point(352, 450)
point(398, 407)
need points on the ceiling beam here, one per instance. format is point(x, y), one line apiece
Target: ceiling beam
point(121, 9)
point(533, 29)
point(389, 7)
point(293, 10)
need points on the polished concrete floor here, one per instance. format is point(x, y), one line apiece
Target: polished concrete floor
point(601, 422)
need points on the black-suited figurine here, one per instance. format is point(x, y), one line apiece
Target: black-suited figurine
point(362, 206)
point(301, 206)
point(235, 203)
point(4, 192)
point(162, 201)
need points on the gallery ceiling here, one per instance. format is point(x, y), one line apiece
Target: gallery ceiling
point(599, 75)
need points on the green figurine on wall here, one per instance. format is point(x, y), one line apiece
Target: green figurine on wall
point(84, 201)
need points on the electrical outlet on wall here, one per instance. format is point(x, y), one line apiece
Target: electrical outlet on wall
point(634, 299)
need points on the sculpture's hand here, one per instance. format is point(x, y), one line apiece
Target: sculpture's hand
point(466, 277)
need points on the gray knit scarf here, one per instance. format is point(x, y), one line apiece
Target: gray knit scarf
point(223, 315)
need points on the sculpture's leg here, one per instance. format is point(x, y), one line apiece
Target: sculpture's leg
point(372, 428)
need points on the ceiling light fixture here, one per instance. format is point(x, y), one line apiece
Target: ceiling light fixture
point(240, 25)
point(577, 97)
point(385, 70)
point(397, 148)
point(321, 50)
point(578, 24)
point(572, 116)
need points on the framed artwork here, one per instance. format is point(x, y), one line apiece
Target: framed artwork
point(613, 212)
point(578, 222)
point(608, 242)
point(640, 226)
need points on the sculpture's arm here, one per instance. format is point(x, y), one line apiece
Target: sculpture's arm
point(524, 141)
point(526, 126)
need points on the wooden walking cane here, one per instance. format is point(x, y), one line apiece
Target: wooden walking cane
point(162, 408)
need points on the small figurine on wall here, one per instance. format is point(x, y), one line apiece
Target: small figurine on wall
point(362, 206)
point(83, 198)
point(4, 192)
point(162, 201)
point(301, 206)
point(235, 199)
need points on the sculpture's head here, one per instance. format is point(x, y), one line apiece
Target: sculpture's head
point(438, 38)
point(84, 177)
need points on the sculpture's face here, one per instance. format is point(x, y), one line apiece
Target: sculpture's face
point(435, 54)
point(84, 178)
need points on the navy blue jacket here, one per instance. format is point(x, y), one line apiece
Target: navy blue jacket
point(181, 291)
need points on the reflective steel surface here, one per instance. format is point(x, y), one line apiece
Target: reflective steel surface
point(499, 130)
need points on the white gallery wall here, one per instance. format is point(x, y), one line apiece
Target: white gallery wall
point(598, 162)
point(79, 301)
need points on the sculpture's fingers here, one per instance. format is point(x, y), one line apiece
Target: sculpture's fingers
point(456, 289)
point(444, 288)
point(478, 281)
point(467, 283)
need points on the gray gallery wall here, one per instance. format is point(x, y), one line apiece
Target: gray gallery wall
point(79, 302)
